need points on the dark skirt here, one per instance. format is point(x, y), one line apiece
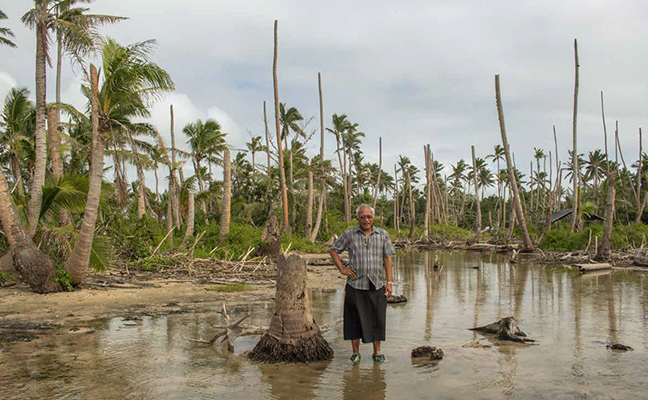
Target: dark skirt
point(365, 314)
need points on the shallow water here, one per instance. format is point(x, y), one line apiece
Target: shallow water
point(572, 316)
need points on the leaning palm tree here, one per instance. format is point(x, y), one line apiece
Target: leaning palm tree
point(6, 33)
point(130, 83)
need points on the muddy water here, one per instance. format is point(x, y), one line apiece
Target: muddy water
point(572, 316)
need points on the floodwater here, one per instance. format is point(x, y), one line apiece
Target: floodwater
point(572, 316)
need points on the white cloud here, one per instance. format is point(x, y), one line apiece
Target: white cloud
point(7, 82)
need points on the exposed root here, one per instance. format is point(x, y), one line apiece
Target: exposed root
point(310, 349)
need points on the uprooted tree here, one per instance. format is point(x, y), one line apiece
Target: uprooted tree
point(293, 335)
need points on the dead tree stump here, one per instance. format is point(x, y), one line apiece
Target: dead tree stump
point(293, 335)
point(270, 239)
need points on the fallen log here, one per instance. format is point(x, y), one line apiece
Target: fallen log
point(583, 268)
point(505, 329)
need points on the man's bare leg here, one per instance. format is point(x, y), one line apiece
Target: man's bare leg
point(376, 344)
point(355, 343)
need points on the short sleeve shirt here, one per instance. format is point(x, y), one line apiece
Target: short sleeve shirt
point(365, 256)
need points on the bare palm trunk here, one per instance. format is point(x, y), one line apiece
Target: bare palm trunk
point(640, 204)
point(607, 160)
point(526, 239)
point(375, 196)
point(558, 185)
point(282, 173)
point(343, 176)
point(605, 247)
point(227, 197)
point(412, 208)
point(169, 217)
point(576, 176)
point(426, 224)
point(293, 210)
point(322, 197)
point(176, 189)
point(77, 264)
point(396, 215)
point(267, 149)
point(309, 211)
point(190, 218)
point(36, 190)
point(478, 222)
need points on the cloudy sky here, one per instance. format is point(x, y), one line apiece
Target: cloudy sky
point(413, 72)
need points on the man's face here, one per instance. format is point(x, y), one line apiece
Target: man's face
point(365, 218)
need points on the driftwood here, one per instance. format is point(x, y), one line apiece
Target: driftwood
point(505, 329)
point(229, 332)
point(583, 268)
point(433, 353)
point(641, 258)
point(293, 335)
point(399, 298)
point(619, 347)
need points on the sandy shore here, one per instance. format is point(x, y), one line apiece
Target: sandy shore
point(18, 305)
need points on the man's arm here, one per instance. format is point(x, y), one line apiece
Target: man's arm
point(387, 263)
point(350, 272)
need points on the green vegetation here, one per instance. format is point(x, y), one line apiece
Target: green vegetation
point(64, 279)
point(233, 287)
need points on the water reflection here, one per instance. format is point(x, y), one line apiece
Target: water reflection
point(572, 316)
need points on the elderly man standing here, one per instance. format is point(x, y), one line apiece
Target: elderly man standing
point(365, 302)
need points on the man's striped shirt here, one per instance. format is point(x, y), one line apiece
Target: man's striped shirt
point(365, 255)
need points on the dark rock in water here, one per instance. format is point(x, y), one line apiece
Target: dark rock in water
point(505, 329)
point(619, 346)
point(396, 299)
point(433, 353)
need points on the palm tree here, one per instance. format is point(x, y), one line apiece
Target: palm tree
point(130, 83)
point(6, 33)
point(593, 171)
point(14, 138)
point(539, 154)
point(340, 125)
point(254, 147)
point(77, 33)
point(289, 118)
point(206, 140)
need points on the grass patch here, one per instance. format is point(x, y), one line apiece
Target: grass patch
point(233, 287)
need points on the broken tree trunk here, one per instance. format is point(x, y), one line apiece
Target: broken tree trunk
point(270, 239)
point(604, 250)
point(505, 329)
point(293, 335)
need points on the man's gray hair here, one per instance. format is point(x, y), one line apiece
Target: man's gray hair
point(361, 206)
